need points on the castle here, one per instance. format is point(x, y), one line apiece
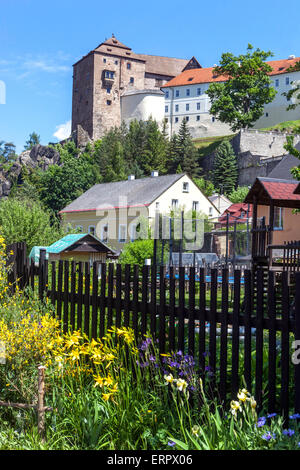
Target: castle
point(112, 84)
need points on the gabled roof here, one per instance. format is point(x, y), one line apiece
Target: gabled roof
point(206, 75)
point(122, 194)
point(283, 169)
point(113, 41)
point(235, 212)
point(192, 64)
point(278, 191)
point(67, 242)
point(167, 66)
point(297, 190)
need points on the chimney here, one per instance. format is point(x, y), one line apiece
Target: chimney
point(131, 177)
point(154, 174)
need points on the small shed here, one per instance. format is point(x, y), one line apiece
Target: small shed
point(80, 247)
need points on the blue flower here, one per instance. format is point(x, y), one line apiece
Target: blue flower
point(288, 432)
point(271, 415)
point(295, 416)
point(268, 436)
point(171, 443)
point(261, 422)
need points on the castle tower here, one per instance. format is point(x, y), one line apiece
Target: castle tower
point(103, 75)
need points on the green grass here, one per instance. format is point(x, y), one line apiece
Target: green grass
point(287, 126)
point(207, 145)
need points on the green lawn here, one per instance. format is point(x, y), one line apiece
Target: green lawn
point(287, 126)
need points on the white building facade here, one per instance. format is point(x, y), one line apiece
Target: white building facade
point(185, 97)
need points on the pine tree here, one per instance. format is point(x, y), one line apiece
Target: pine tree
point(187, 152)
point(225, 173)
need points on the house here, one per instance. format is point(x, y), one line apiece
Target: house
point(220, 201)
point(185, 97)
point(274, 200)
point(238, 212)
point(113, 211)
point(78, 247)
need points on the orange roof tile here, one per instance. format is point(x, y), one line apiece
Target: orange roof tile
point(205, 75)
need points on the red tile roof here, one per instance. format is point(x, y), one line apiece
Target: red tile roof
point(205, 75)
point(281, 192)
point(235, 212)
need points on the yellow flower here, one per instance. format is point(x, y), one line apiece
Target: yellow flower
point(169, 378)
point(106, 396)
point(242, 395)
point(181, 384)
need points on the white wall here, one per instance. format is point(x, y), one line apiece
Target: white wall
point(142, 105)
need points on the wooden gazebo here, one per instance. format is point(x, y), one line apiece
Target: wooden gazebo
point(274, 193)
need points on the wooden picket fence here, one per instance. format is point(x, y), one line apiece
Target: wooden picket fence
point(238, 328)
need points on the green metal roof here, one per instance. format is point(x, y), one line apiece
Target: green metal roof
point(35, 253)
point(65, 242)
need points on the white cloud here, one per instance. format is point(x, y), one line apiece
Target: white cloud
point(45, 66)
point(63, 131)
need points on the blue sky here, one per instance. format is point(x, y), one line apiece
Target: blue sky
point(41, 39)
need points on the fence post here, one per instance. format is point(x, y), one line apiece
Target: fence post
point(42, 273)
point(40, 403)
point(297, 338)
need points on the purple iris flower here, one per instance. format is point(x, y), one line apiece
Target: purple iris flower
point(171, 443)
point(268, 436)
point(295, 416)
point(261, 422)
point(288, 432)
point(271, 415)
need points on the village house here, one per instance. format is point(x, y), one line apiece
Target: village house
point(185, 97)
point(114, 211)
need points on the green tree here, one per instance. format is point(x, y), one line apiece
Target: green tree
point(60, 185)
point(225, 171)
point(137, 252)
point(7, 152)
point(185, 152)
point(238, 194)
point(239, 98)
point(205, 186)
point(294, 93)
point(27, 221)
point(34, 139)
point(155, 150)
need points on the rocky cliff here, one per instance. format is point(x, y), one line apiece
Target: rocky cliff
point(39, 156)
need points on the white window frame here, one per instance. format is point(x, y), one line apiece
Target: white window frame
point(166, 109)
point(133, 232)
point(176, 108)
point(188, 92)
point(174, 204)
point(102, 233)
point(280, 226)
point(185, 187)
point(198, 106)
point(122, 240)
point(195, 206)
point(187, 106)
point(176, 93)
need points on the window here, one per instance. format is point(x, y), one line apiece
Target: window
point(198, 106)
point(128, 65)
point(91, 229)
point(166, 120)
point(131, 80)
point(108, 102)
point(185, 187)
point(122, 233)
point(267, 114)
point(174, 203)
point(177, 93)
point(198, 91)
point(109, 74)
point(166, 109)
point(213, 119)
point(198, 118)
point(104, 60)
point(79, 228)
point(278, 218)
point(187, 107)
point(133, 233)
point(187, 92)
point(108, 90)
point(116, 62)
point(277, 82)
point(104, 236)
point(287, 80)
point(167, 94)
point(187, 118)
point(210, 212)
point(176, 108)
point(195, 205)
point(157, 206)
point(176, 119)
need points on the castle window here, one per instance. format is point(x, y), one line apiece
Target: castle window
point(198, 91)
point(104, 60)
point(187, 118)
point(277, 82)
point(177, 93)
point(128, 65)
point(167, 94)
point(198, 118)
point(108, 102)
point(176, 108)
point(198, 106)
point(176, 119)
point(287, 80)
point(213, 119)
point(267, 114)
point(187, 107)
point(109, 74)
point(108, 90)
point(166, 109)
point(187, 92)
point(131, 80)
point(116, 62)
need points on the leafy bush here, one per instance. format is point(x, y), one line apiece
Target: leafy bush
point(137, 252)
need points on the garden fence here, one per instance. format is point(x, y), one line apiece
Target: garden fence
point(239, 328)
